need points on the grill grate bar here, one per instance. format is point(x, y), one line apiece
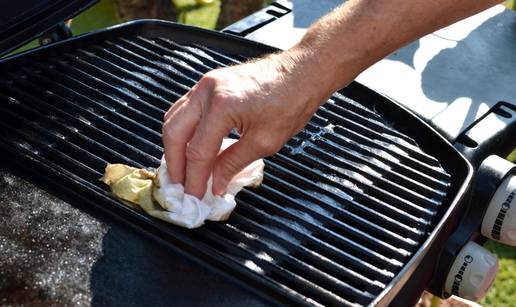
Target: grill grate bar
point(116, 94)
point(44, 145)
point(150, 69)
point(155, 81)
point(347, 137)
point(379, 139)
point(186, 57)
point(127, 87)
point(314, 247)
point(137, 79)
point(190, 53)
point(349, 212)
point(176, 70)
point(329, 212)
point(88, 130)
point(358, 155)
point(308, 232)
point(384, 133)
point(226, 59)
point(40, 111)
point(350, 190)
point(106, 119)
point(292, 280)
point(103, 101)
point(337, 199)
point(356, 108)
point(365, 177)
point(193, 67)
point(354, 234)
point(371, 283)
point(289, 263)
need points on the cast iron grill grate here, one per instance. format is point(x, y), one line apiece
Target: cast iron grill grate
point(343, 205)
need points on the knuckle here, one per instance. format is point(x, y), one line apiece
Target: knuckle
point(193, 154)
point(229, 167)
point(208, 78)
point(220, 100)
point(167, 128)
point(225, 171)
point(266, 147)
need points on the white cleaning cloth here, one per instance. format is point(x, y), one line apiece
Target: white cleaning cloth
point(189, 211)
point(175, 206)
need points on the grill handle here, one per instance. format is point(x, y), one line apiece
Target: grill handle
point(492, 134)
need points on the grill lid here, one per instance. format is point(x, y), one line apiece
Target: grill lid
point(23, 21)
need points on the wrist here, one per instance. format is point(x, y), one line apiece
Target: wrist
point(302, 70)
point(328, 68)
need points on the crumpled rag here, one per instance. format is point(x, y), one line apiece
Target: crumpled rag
point(157, 196)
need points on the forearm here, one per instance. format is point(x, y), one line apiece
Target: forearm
point(269, 100)
point(360, 32)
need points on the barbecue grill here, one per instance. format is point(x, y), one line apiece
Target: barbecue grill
point(362, 207)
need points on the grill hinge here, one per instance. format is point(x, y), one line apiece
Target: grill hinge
point(60, 32)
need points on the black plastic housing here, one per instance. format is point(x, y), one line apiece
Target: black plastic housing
point(492, 134)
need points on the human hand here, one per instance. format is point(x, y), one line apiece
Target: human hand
point(267, 101)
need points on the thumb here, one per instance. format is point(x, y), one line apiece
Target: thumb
point(231, 161)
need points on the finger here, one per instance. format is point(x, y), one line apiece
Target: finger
point(203, 150)
point(175, 106)
point(179, 103)
point(177, 132)
point(232, 160)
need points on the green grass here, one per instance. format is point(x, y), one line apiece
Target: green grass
point(512, 156)
point(503, 292)
point(101, 15)
point(191, 13)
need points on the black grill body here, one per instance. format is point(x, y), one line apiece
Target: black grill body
point(348, 209)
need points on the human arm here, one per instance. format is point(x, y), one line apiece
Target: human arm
point(271, 99)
